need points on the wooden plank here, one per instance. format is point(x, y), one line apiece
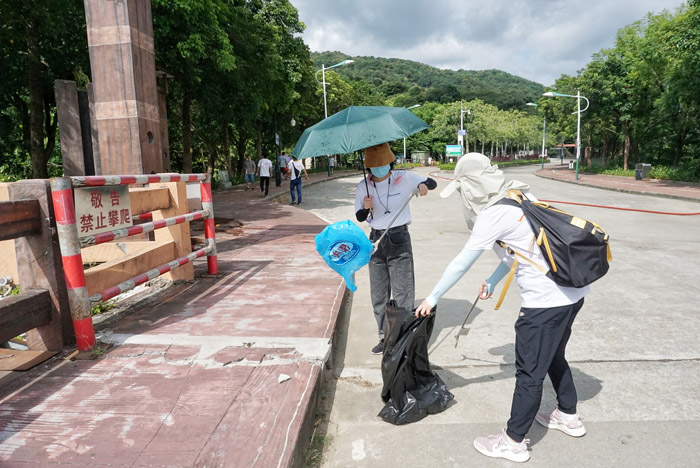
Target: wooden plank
point(19, 218)
point(110, 274)
point(145, 200)
point(8, 258)
point(14, 360)
point(113, 251)
point(39, 267)
point(68, 111)
point(23, 312)
point(179, 233)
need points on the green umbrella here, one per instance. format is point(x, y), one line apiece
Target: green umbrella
point(355, 128)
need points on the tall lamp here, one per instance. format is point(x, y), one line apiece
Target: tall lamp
point(404, 138)
point(578, 123)
point(325, 104)
point(544, 126)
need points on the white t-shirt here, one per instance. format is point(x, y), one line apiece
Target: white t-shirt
point(264, 166)
point(300, 167)
point(509, 225)
point(388, 196)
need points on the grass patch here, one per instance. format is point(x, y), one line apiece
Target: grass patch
point(103, 307)
point(677, 174)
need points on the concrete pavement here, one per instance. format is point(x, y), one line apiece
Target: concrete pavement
point(197, 376)
point(634, 352)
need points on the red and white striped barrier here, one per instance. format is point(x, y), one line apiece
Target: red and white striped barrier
point(64, 208)
point(209, 226)
point(99, 181)
point(103, 237)
point(149, 275)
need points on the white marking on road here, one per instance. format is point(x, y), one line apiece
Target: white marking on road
point(310, 349)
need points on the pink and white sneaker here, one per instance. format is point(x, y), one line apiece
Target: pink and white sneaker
point(567, 423)
point(502, 446)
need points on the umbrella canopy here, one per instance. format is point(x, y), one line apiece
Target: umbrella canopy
point(355, 128)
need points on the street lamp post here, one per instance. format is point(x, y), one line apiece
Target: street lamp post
point(544, 126)
point(404, 138)
point(325, 104)
point(578, 115)
point(461, 123)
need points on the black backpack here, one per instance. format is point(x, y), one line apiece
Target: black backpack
point(577, 251)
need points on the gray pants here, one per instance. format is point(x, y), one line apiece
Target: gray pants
point(391, 272)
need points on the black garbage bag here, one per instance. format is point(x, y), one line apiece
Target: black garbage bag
point(411, 389)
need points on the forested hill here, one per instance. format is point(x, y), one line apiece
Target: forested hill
point(405, 83)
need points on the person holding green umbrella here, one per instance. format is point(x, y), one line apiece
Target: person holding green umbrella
point(378, 200)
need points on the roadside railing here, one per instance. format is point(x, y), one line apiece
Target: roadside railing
point(31, 308)
point(165, 202)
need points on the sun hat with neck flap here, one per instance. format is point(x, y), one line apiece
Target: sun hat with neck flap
point(479, 184)
point(379, 155)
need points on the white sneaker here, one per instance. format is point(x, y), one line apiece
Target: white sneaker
point(502, 446)
point(568, 424)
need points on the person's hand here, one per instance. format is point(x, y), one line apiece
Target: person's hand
point(422, 189)
point(423, 309)
point(484, 291)
point(368, 203)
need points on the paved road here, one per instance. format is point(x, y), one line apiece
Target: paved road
point(635, 351)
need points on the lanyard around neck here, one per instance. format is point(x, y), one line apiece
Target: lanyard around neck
point(386, 207)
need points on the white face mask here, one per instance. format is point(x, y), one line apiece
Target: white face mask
point(380, 171)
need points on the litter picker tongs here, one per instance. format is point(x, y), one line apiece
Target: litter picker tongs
point(462, 330)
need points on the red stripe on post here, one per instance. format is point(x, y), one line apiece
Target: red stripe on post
point(212, 265)
point(103, 237)
point(84, 334)
point(128, 179)
point(206, 192)
point(73, 271)
point(164, 269)
point(109, 293)
point(209, 228)
point(159, 224)
point(154, 178)
point(94, 181)
point(192, 178)
point(63, 206)
point(131, 230)
point(140, 279)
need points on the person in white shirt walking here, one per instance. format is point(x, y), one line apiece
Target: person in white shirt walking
point(264, 168)
point(295, 169)
point(548, 310)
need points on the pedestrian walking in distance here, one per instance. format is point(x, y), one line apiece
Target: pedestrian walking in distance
point(264, 168)
point(249, 166)
point(547, 312)
point(377, 201)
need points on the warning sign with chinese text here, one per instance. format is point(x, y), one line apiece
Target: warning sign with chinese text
point(102, 209)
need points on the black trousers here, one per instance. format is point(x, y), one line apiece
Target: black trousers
point(541, 336)
point(264, 184)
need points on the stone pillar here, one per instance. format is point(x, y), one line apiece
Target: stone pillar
point(122, 60)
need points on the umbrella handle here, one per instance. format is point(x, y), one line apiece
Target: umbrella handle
point(364, 176)
point(391, 223)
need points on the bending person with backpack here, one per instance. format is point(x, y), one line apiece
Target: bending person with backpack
point(548, 310)
point(295, 169)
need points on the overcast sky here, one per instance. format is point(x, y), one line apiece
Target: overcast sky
point(535, 39)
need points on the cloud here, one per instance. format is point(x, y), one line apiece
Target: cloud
point(537, 39)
